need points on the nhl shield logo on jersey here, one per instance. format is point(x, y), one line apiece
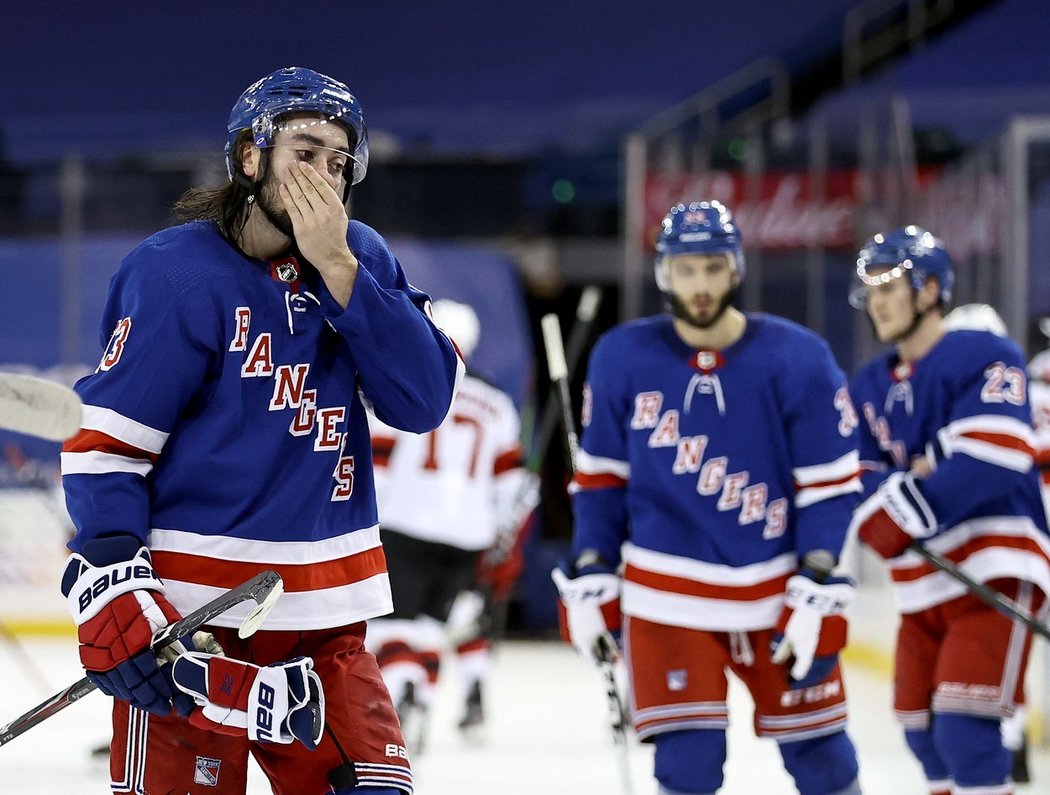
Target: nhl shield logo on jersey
point(207, 771)
point(285, 270)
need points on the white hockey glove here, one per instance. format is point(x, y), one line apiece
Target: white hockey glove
point(894, 516)
point(590, 612)
point(280, 703)
point(812, 627)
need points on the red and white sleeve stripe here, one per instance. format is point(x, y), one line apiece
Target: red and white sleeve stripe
point(595, 472)
point(823, 481)
point(110, 442)
point(1004, 441)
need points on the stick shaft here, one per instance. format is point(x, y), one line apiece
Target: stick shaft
point(257, 588)
point(989, 596)
point(559, 375)
point(558, 369)
point(586, 313)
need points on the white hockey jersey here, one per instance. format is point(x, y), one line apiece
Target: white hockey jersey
point(457, 484)
point(1039, 397)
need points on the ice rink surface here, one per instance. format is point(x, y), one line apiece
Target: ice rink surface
point(546, 734)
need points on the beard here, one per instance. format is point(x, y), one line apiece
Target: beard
point(681, 311)
point(269, 201)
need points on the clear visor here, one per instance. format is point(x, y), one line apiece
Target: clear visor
point(870, 275)
point(302, 134)
point(662, 265)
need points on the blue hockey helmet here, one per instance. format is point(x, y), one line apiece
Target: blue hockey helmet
point(704, 227)
point(295, 89)
point(907, 251)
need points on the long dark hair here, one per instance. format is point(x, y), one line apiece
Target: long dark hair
point(227, 206)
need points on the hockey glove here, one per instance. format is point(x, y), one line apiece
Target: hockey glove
point(117, 602)
point(894, 516)
point(812, 627)
point(280, 703)
point(590, 610)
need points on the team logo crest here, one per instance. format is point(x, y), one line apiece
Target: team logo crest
point(696, 218)
point(207, 772)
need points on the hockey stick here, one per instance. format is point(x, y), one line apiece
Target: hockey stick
point(586, 311)
point(559, 375)
point(38, 407)
point(527, 497)
point(989, 596)
point(264, 589)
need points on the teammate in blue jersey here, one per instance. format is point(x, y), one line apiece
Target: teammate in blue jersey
point(716, 479)
point(224, 433)
point(947, 454)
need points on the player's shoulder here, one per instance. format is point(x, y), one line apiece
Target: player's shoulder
point(622, 347)
point(635, 333)
point(785, 341)
point(186, 254)
point(775, 327)
point(366, 243)
point(179, 240)
point(963, 349)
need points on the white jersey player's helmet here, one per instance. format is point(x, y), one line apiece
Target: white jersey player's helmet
point(1039, 367)
point(460, 322)
point(979, 317)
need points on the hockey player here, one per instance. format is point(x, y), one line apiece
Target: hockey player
point(716, 478)
point(443, 497)
point(946, 447)
point(225, 433)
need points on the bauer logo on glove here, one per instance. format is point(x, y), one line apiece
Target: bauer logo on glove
point(279, 703)
point(118, 604)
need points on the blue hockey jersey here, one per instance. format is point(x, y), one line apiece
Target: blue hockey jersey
point(711, 473)
point(225, 426)
point(963, 408)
